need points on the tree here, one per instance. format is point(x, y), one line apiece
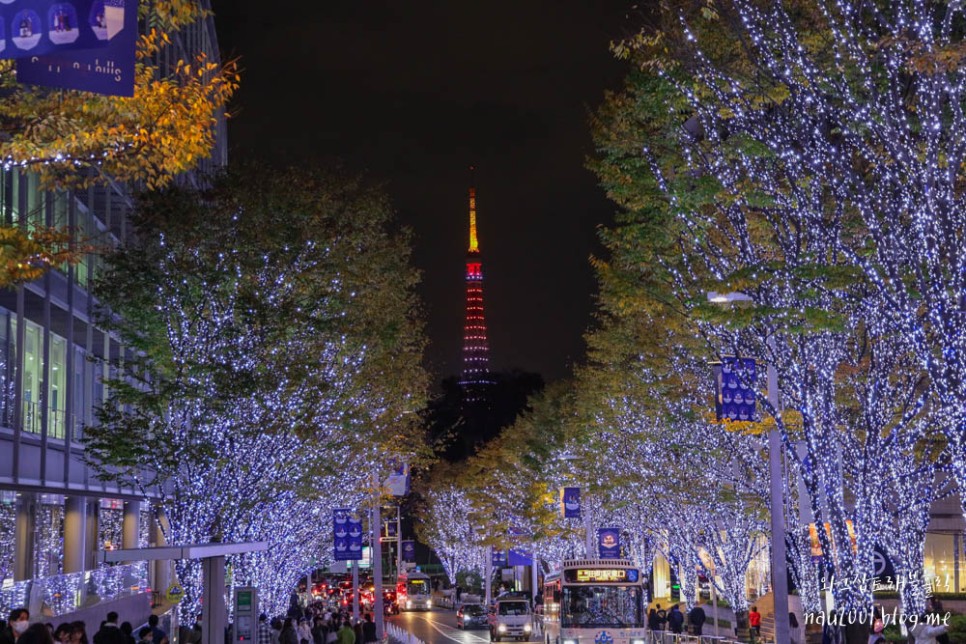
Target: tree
point(271, 361)
point(72, 139)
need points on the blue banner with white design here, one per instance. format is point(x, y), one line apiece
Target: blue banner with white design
point(735, 381)
point(570, 502)
point(519, 558)
point(499, 559)
point(108, 70)
point(409, 551)
point(609, 543)
point(347, 533)
point(37, 27)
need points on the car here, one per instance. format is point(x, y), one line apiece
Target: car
point(471, 616)
point(510, 618)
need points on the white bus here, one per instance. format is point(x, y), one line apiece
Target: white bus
point(594, 601)
point(413, 591)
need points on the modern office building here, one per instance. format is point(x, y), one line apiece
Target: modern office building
point(54, 513)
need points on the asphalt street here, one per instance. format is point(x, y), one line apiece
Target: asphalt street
point(439, 627)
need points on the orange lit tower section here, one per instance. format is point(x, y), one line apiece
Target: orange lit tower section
point(476, 348)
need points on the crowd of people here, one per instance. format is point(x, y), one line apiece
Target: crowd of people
point(316, 624)
point(19, 630)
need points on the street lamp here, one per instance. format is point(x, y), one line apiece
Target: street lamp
point(779, 564)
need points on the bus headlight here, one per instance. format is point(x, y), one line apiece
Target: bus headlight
point(638, 642)
point(429, 603)
point(501, 628)
point(569, 642)
point(409, 604)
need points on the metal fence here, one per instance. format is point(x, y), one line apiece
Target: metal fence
point(663, 637)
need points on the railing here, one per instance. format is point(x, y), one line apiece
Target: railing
point(62, 594)
point(56, 418)
point(663, 637)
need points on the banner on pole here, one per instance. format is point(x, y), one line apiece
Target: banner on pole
point(347, 532)
point(570, 502)
point(38, 27)
point(519, 558)
point(409, 551)
point(734, 389)
point(609, 543)
point(499, 559)
point(107, 70)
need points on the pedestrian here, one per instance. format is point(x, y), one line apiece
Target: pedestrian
point(62, 633)
point(128, 631)
point(754, 621)
point(159, 634)
point(36, 634)
point(346, 634)
point(876, 636)
point(653, 622)
point(110, 633)
point(145, 635)
point(289, 634)
point(926, 632)
point(459, 595)
point(675, 619)
point(304, 632)
point(78, 633)
point(696, 618)
point(17, 625)
point(369, 630)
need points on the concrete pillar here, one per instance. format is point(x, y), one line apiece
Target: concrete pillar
point(160, 570)
point(214, 614)
point(93, 518)
point(23, 564)
point(131, 528)
point(75, 534)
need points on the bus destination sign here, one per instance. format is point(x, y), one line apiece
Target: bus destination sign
point(602, 575)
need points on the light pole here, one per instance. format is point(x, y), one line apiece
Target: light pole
point(568, 457)
point(779, 564)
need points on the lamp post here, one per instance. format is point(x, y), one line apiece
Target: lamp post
point(779, 563)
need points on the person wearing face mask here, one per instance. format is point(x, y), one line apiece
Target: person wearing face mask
point(16, 625)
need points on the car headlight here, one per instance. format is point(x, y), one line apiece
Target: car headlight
point(570, 642)
point(429, 603)
point(409, 603)
point(501, 628)
point(526, 628)
point(638, 642)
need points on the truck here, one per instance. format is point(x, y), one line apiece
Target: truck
point(511, 617)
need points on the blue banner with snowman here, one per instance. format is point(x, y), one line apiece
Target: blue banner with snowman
point(347, 534)
point(499, 559)
point(609, 543)
point(106, 70)
point(735, 380)
point(570, 502)
point(37, 27)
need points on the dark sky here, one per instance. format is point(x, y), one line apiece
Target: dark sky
point(413, 92)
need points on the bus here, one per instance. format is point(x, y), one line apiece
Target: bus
point(594, 600)
point(413, 591)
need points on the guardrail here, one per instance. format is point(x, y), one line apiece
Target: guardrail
point(663, 637)
point(62, 594)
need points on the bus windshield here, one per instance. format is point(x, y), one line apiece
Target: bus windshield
point(601, 606)
point(417, 587)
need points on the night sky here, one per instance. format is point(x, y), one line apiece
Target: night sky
point(412, 93)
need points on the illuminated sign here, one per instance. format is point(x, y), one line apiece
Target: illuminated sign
point(602, 575)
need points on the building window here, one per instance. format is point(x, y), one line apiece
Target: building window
point(33, 369)
point(57, 396)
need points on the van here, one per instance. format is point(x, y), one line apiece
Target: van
point(511, 617)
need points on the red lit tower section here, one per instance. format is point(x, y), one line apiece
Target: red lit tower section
point(476, 347)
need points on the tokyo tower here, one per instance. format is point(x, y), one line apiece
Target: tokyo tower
point(476, 349)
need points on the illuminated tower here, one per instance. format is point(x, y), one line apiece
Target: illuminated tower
point(476, 348)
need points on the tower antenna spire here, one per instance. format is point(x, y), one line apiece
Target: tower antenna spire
point(474, 242)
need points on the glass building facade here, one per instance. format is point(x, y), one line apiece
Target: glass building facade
point(54, 513)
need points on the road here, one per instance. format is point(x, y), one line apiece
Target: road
point(439, 627)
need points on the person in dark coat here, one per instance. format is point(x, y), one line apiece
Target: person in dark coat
point(675, 619)
point(696, 618)
point(288, 634)
point(36, 634)
point(369, 630)
point(110, 632)
point(17, 625)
